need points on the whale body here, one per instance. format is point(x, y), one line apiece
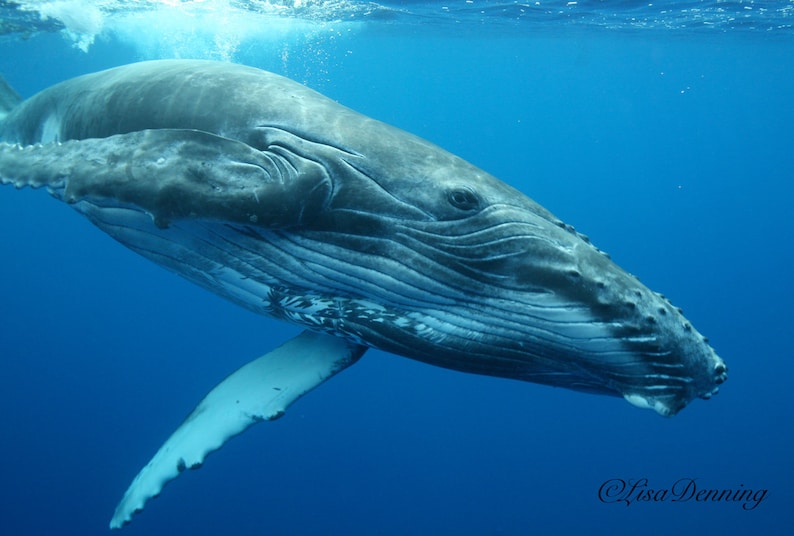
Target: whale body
point(296, 207)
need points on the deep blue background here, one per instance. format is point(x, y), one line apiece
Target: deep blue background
point(672, 151)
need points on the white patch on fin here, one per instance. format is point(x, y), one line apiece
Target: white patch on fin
point(259, 390)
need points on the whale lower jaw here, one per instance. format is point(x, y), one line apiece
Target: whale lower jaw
point(550, 342)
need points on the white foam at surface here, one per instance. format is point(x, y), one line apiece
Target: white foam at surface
point(207, 34)
point(82, 20)
point(209, 29)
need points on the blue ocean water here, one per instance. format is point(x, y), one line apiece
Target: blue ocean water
point(663, 132)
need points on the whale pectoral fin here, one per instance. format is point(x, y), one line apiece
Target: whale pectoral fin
point(260, 390)
point(8, 98)
point(172, 174)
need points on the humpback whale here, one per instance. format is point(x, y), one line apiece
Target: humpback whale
point(294, 206)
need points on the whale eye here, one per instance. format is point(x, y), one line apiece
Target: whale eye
point(463, 198)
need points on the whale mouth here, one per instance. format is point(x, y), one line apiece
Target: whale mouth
point(700, 379)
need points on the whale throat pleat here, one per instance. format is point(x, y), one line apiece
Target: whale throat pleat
point(314, 284)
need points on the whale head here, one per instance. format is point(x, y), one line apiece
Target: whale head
point(470, 274)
